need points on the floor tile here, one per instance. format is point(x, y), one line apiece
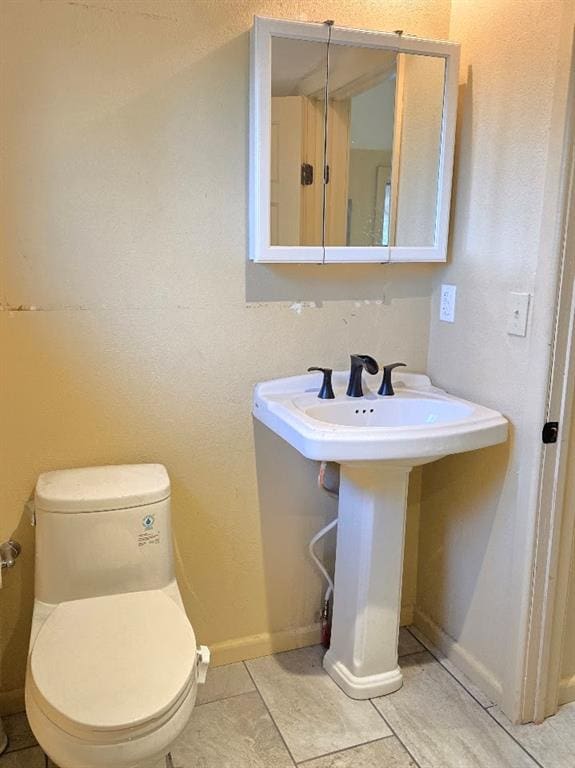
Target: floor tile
point(231, 733)
point(442, 726)
point(476, 692)
point(223, 682)
point(385, 753)
point(314, 716)
point(18, 731)
point(552, 743)
point(408, 643)
point(159, 764)
point(24, 758)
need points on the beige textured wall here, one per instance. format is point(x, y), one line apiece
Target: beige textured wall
point(132, 328)
point(471, 503)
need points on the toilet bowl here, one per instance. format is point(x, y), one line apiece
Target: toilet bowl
point(113, 665)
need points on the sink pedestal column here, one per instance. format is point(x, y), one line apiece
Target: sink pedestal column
point(362, 658)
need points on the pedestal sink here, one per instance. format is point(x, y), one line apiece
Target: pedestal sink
point(377, 441)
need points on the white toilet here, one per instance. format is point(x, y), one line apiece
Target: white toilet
point(113, 665)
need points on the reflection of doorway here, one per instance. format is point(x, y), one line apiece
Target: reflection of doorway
point(364, 129)
point(286, 154)
point(372, 117)
point(296, 138)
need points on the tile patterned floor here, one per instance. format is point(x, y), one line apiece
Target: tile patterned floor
point(283, 710)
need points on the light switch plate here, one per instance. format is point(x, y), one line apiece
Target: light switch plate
point(518, 313)
point(447, 303)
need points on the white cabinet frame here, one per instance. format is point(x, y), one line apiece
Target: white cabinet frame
point(260, 249)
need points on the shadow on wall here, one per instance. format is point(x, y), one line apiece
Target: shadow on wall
point(460, 498)
point(337, 282)
point(462, 162)
point(292, 510)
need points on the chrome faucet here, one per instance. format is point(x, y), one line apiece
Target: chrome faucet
point(358, 363)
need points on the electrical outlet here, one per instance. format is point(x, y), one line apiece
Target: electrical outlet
point(447, 305)
point(518, 314)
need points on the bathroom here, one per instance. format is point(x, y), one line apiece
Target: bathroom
point(134, 327)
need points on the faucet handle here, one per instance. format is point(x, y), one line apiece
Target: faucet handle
point(386, 387)
point(326, 390)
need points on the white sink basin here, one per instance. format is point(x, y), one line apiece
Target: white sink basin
point(419, 423)
point(376, 440)
point(405, 410)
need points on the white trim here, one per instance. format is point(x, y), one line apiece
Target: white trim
point(446, 155)
point(260, 249)
point(253, 646)
point(417, 253)
point(566, 690)
point(292, 254)
point(531, 580)
point(556, 520)
point(459, 655)
point(342, 254)
point(264, 644)
point(260, 140)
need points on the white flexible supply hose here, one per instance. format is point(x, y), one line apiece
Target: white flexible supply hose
point(317, 561)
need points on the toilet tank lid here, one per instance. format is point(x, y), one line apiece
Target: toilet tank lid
point(94, 489)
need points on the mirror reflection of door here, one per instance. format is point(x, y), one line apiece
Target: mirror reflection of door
point(384, 138)
point(384, 120)
point(361, 121)
point(297, 141)
point(371, 144)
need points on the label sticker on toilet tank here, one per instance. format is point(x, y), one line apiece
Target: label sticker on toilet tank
point(149, 537)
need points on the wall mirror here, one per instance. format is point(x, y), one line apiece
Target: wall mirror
point(351, 144)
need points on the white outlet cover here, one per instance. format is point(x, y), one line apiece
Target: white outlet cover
point(447, 303)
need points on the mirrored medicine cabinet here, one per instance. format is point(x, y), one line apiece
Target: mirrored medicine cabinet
point(351, 144)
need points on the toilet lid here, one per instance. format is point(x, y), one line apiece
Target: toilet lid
point(114, 662)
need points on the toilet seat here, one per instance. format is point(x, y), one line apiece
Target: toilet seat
point(103, 666)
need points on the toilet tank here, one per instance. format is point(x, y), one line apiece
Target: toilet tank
point(102, 531)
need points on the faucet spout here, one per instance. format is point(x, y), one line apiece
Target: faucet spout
point(386, 387)
point(358, 363)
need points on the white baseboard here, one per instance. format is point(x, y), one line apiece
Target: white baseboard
point(12, 702)
point(459, 656)
point(253, 646)
point(406, 615)
point(567, 690)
